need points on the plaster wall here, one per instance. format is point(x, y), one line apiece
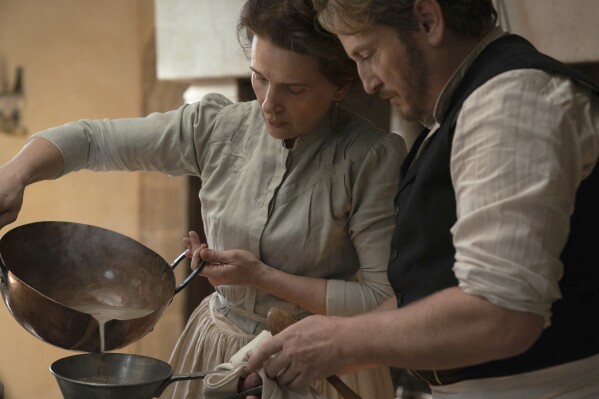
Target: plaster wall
point(84, 59)
point(566, 30)
point(198, 40)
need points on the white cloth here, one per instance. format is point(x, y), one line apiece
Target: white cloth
point(225, 383)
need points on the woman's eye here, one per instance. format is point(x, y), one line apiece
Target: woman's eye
point(258, 78)
point(296, 89)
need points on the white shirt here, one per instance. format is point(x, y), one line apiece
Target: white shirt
point(523, 142)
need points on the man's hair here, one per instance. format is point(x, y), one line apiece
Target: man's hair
point(292, 25)
point(468, 18)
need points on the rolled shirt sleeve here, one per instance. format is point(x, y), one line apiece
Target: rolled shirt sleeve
point(523, 143)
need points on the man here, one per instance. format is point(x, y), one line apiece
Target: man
point(493, 259)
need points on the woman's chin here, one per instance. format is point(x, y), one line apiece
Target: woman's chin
point(279, 134)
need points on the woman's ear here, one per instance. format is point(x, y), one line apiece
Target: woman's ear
point(431, 22)
point(342, 92)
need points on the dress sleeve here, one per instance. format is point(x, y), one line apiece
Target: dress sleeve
point(522, 144)
point(173, 142)
point(371, 224)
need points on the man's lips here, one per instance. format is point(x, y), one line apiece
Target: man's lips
point(387, 96)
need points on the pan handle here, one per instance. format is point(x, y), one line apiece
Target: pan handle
point(191, 275)
point(181, 377)
point(3, 273)
point(252, 391)
point(201, 375)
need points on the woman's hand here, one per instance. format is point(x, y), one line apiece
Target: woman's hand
point(238, 267)
point(194, 246)
point(233, 267)
point(249, 382)
point(39, 160)
point(11, 197)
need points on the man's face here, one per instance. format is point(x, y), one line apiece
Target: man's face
point(391, 67)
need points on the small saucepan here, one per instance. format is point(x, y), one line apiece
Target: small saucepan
point(47, 266)
point(118, 376)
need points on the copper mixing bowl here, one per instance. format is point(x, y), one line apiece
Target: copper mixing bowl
point(45, 265)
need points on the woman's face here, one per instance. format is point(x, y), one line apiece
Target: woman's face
point(294, 95)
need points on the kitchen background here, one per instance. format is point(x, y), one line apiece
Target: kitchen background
point(126, 58)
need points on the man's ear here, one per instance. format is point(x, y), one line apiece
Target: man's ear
point(430, 19)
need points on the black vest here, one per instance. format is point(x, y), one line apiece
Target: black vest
point(423, 254)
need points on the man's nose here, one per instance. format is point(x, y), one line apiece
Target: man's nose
point(370, 81)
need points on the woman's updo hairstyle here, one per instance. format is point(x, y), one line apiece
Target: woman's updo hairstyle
point(292, 25)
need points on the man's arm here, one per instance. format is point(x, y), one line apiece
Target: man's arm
point(446, 330)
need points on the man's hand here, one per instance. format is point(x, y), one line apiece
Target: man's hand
point(309, 350)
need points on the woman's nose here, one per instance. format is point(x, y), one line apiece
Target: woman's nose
point(271, 103)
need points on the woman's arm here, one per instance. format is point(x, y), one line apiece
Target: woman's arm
point(371, 224)
point(38, 160)
point(241, 267)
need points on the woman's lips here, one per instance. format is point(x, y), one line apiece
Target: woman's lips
point(274, 124)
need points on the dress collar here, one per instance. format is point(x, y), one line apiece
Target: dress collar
point(323, 129)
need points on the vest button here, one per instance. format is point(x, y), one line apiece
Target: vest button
point(393, 254)
point(396, 209)
point(399, 297)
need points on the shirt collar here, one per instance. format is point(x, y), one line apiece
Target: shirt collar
point(453, 82)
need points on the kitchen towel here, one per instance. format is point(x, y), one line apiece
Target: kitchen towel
point(223, 384)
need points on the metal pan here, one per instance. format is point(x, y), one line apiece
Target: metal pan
point(118, 376)
point(45, 265)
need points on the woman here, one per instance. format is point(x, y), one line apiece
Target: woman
point(297, 193)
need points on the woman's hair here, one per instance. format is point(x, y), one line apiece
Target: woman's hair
point(292, 25)
point(468, 18)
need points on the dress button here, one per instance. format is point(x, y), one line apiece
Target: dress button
point(399, 297)
point(393, 254)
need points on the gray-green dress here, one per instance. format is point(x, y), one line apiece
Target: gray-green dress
point(321, 209)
